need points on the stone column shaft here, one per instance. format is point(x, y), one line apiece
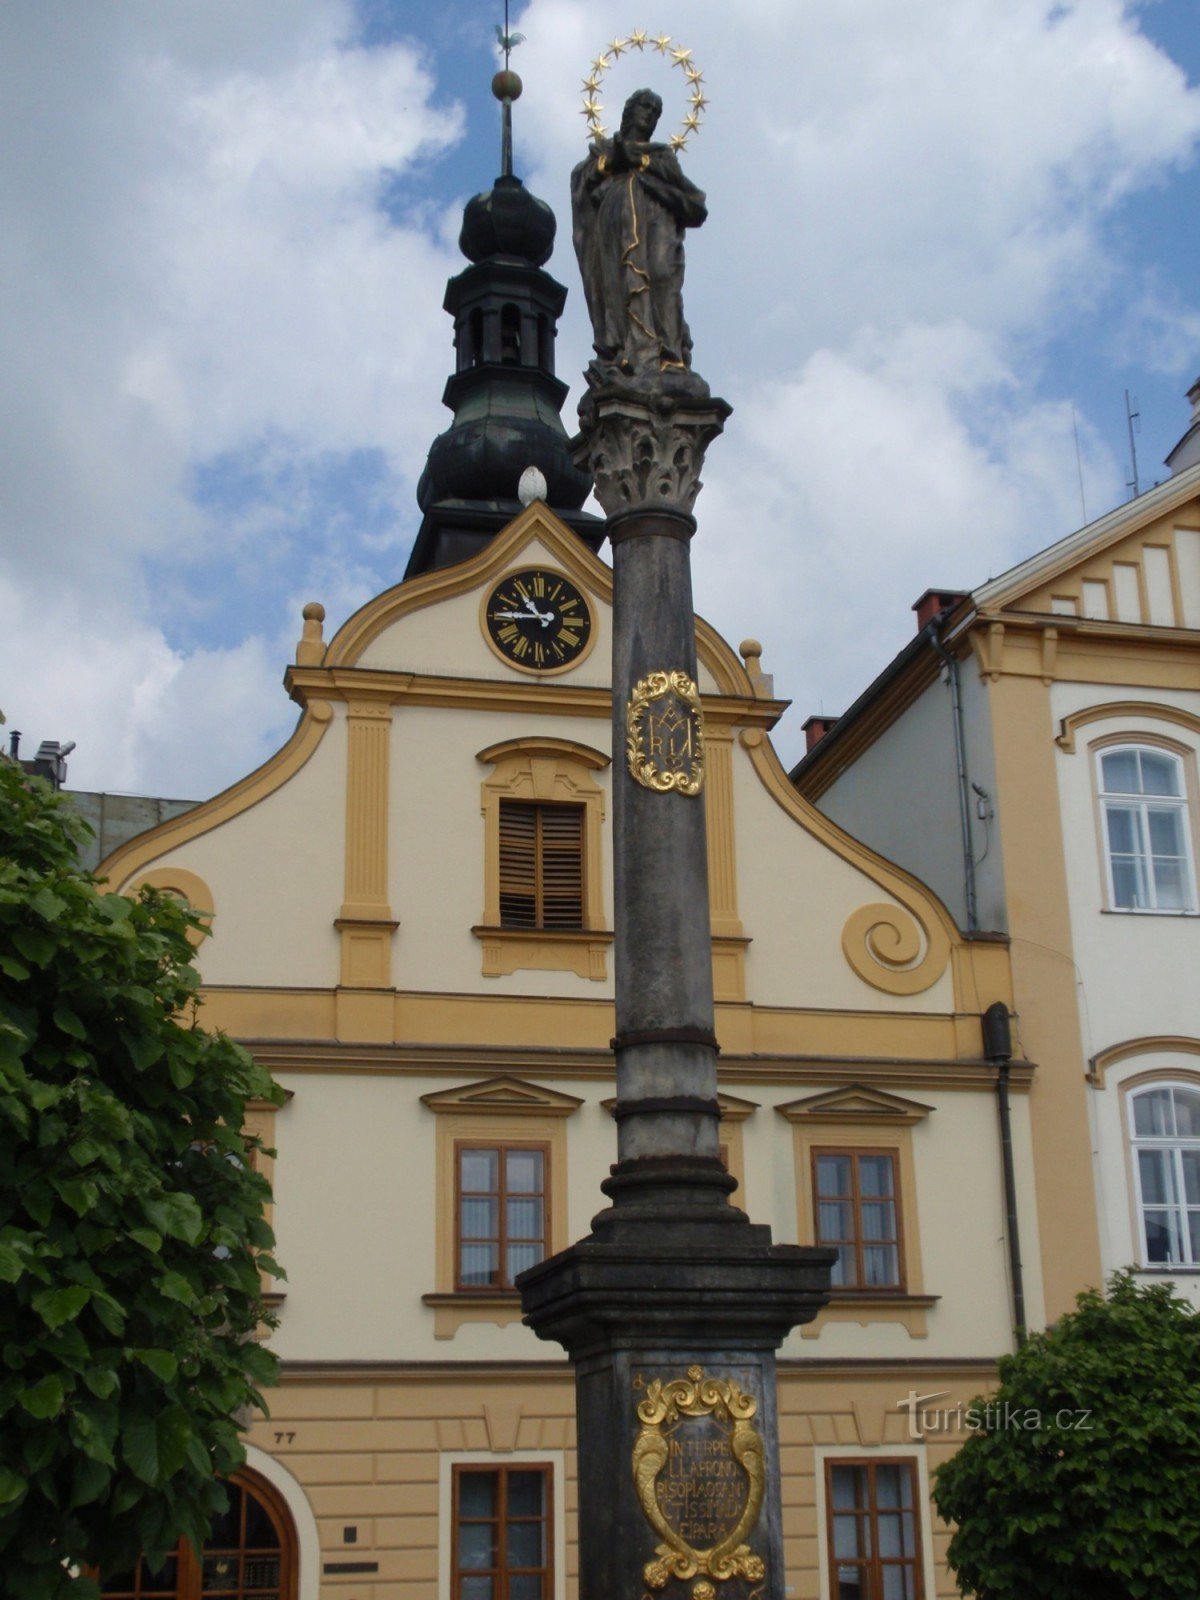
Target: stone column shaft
point(665, 1047)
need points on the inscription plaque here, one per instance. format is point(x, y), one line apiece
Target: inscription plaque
point(698, 1467)
point(664, 734)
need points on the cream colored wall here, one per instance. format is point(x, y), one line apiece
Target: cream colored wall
point(437, 840)
point(794, 896)
point(356, 1189)
point(276, 873)
point(1136, 972)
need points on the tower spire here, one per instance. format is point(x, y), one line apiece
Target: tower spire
point(504, 395)
point(506, 86)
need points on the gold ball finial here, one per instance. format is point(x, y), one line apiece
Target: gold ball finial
point(506, 85)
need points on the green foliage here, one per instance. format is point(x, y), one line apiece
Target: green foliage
point(1099, 1506)
point(131, 1224)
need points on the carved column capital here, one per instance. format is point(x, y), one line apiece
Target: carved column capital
point(646, 455)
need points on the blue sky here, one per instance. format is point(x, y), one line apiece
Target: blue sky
point(942, 241)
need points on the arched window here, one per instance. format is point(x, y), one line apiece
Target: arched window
point(1143, 799)
point(510, 336)
point(1165, 1134)
point(474, 338)
point(250, 1554)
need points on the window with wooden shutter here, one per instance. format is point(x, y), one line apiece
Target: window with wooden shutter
point(541, 865)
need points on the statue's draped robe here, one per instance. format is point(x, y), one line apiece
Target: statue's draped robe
point(628, 233)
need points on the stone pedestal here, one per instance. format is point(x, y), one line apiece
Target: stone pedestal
point(671, 1310)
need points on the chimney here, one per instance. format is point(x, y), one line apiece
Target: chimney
point(933, 602)
point(815, 729)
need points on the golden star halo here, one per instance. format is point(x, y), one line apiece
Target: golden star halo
point(680, 57)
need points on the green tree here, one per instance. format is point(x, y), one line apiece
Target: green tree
point(131, 1223)
point(1086, 1487)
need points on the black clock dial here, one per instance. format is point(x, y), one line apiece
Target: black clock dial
point(537, 619)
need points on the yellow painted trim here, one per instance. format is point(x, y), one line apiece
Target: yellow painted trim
point(729, 943)
point(1148, 1044)
point(365, 924)
point(497, 1032)
point(857, 1103)
point(503, 1096)
point(913, 951)
point(129, 858)
point(1142, 710)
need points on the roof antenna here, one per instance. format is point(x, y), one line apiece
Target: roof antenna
point(1078, 465)
point(506, 86)
point(1132, 416)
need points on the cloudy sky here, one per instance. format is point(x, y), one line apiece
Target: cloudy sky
point(944, 239)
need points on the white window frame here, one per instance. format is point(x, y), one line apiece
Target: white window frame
point(1142, 805)
point(1175, 1144)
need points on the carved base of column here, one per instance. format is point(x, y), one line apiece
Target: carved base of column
point(672, 1328)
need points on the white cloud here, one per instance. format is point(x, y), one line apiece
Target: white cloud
point(908, 203)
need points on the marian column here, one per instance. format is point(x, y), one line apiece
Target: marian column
point(673, 1307)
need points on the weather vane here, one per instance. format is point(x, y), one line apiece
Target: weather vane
point(506, 86)
point(638, 40)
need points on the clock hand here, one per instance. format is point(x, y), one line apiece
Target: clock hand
point(511, 616)
point(544, 617)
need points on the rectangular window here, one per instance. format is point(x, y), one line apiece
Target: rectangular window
point(874, 1541)
point(502, 1221)
point(858, 1213)
point(1144, 803)
point(502, 1533)
point(541, 865)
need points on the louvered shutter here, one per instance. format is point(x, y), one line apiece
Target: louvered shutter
point(541, 865)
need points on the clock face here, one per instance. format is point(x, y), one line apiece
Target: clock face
point(538, 620)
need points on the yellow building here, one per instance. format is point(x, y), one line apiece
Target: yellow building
point(373, 944)
point(1066, 815)
point(411, 926)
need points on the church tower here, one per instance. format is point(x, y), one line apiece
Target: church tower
point(504, 395)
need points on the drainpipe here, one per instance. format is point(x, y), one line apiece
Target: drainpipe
point(964, 786)
point(997, 1047)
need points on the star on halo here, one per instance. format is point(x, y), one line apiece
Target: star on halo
point(618, 47)
point(661, 43)
point(638, 38)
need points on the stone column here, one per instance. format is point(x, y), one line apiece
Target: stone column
point(673, 1307)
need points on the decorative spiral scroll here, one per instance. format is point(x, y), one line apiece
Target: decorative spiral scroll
point(681, 58)
point(884, 945)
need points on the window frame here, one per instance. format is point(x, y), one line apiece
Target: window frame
point(189, 1569)
point(858, 1117)
point(502, 1148)
point(1175, 1144)
point(501, 1575)
point(1183, 805)
point(546, 771)
point(874, 1563)
point(542, 847)
point(855, 1152)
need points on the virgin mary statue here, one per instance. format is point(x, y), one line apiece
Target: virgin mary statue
point(630, 204)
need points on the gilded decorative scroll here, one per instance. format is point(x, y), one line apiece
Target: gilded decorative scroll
point(726, 1503)
point(664, 728)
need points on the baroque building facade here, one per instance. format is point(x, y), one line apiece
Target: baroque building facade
point(411, 926)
